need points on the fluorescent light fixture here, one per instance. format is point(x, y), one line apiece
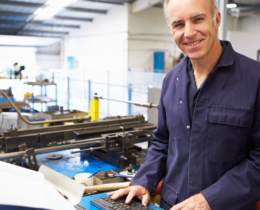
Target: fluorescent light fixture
point(51, 8)
point(38, 11)
point(230, 6)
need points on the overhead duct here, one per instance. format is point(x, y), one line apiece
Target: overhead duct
point(247, 2)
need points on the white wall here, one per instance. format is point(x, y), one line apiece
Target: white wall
point(100, 49)
point(101, 45)
point(148, 32)
point(244, 34)
point(245, 43)
point(249, 24)
point(48, 61)
point(23, 55)
point(48, 57)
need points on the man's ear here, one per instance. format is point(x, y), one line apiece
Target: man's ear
point(218, 20)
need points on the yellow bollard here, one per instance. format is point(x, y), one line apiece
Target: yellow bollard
point(94, 109)
point(27, 94)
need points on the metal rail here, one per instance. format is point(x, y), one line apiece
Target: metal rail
point(40, 122)
point(89, 149)
point(88, 142)
point(148, 105)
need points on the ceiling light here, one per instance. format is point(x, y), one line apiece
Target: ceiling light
point(51, 8)
point(38, 11)
point(229, 6)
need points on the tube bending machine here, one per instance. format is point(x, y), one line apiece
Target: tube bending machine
point(104, 144)
point(111, 140)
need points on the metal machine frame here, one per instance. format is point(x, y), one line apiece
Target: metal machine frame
point(110, 139)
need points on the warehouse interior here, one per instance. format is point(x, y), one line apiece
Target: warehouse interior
point(82, 73)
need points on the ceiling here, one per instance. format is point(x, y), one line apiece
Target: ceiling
point(245, 8)
point(17, 16)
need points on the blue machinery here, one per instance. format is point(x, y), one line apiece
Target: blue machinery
point(111, 140)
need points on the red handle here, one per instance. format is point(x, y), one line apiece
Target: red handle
point(158, 189)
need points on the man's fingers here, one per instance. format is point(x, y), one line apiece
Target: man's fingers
point(119, 193)
point(145, 199)
point(130, 196)
point(179, 206)
point(111, 193)
point(187, 208)
point(175, 208)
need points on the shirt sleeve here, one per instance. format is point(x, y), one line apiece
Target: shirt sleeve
point(239, 188)
point(153, 170)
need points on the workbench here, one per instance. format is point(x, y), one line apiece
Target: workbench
point(72, 164)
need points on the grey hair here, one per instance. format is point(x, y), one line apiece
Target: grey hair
point(214, 9)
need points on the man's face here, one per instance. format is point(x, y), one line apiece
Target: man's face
point(193, 27)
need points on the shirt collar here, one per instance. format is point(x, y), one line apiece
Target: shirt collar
point(226, 58)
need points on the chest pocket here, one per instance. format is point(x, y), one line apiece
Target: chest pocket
point(228, 129)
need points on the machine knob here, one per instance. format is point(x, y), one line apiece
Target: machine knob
point(134, 155)
point(123, 157)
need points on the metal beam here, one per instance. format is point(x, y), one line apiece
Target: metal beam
point(140, 5)
point(10, 30)
point(55, 17)
point(76, 9)
point(17, 3)
point(39, 23)
point(248, 9)
point(109, 1)
point(41, 31)
point(72, 18)
point(7, 29)
point(15, 14)
point(10, 22)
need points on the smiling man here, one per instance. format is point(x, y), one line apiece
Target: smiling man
point(206, 147)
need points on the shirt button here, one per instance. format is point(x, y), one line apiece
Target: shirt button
point(188, 127)
point(180, 102)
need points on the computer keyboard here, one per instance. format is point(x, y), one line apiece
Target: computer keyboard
point(106, 203)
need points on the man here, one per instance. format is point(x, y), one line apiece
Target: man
point(206, 147)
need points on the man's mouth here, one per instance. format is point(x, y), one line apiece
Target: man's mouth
point(194, 43)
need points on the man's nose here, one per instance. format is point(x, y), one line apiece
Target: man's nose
point(189, 31)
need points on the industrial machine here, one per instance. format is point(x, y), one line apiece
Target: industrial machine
point(110, 139)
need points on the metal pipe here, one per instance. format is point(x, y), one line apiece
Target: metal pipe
point(40, 122)
point(222, 31)
point(73, 141)
point(89, 149)
point(11, 155)
point(148, 105)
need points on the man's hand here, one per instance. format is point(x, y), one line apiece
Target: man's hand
point(136, 190)
point(195, 202)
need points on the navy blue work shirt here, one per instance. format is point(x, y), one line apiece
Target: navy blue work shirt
point(193, 90)
point(219, 155)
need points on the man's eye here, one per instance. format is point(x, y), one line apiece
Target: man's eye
point(198, 19)
point(177, 25)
